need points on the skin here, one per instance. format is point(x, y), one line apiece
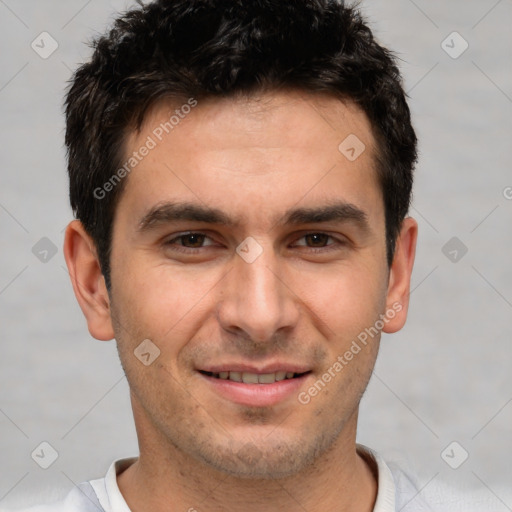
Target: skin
point(303, 300)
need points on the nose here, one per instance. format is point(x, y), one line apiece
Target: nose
point(256, 301)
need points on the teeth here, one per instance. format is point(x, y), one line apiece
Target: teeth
point(267, 378)
point(236, 376)
point(249, 378)
point(254, 378)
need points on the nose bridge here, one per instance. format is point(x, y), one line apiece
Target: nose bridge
point(255, 298)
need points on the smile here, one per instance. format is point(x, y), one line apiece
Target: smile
point(255, 389)
point(254, 378)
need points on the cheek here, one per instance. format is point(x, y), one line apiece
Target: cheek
point(161, 302)
point(346, 300)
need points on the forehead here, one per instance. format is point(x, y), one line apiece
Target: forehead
point(256, 155)
point(287, 118)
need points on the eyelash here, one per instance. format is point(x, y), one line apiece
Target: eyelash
point(190, 250)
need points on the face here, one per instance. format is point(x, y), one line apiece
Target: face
point(251, 252)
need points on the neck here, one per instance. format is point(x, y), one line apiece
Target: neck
point(171, 481)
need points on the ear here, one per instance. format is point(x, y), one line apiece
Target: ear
point(88, 281)
point(397, 301)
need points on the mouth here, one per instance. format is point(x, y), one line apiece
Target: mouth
point(255, 388)
point(254, 378)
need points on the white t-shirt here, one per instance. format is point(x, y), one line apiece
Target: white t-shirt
point(396, 491)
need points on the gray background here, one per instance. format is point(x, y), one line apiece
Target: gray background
point(445, 377)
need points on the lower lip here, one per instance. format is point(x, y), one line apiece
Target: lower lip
point(256, 395)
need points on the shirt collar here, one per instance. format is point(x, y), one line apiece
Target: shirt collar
point(111, 499)
point(107, 490)
point(385, 501)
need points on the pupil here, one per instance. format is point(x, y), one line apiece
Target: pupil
point(317, 238)
point(194, 239)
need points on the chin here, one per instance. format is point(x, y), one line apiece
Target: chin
point(265, 461)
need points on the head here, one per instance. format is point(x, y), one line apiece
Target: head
point(279, 133)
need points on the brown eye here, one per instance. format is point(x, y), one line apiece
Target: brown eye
point(321, 243)
point(317, 239)
point(192, 240)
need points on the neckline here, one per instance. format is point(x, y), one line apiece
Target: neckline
point(111, 499)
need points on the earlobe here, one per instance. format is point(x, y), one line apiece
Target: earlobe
point(397, 302)
point(87, 280)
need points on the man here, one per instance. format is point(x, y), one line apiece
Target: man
point(241, 173)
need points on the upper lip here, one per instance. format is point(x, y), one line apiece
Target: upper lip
point(259, 370)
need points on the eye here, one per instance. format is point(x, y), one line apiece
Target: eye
point(191, 240)
point(318, 241)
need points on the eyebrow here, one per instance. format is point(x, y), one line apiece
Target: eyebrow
point(168, 212)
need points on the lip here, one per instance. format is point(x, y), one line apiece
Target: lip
point(255, 395)
point(241, 367)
